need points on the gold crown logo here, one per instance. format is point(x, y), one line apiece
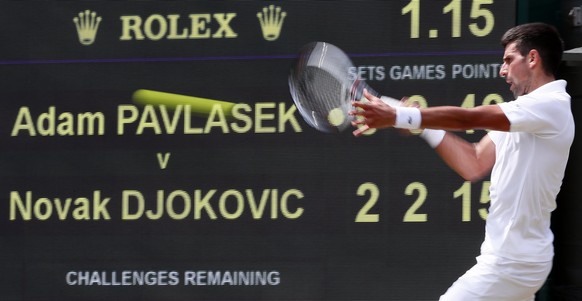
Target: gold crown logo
point(87, 25)
point(271, 19)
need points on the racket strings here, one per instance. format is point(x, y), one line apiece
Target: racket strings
point(320, 92)
point(322, 88)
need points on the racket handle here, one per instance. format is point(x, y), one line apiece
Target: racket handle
point(390, 101)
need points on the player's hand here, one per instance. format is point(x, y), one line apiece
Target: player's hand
point(370, 114)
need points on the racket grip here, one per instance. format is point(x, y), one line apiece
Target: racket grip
point(390, 101)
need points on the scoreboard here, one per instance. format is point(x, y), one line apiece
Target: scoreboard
point(102, 198)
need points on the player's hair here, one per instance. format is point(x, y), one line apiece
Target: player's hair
point(539, 36)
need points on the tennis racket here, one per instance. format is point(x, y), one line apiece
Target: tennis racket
point(323, 89)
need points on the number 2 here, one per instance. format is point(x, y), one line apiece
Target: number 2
point(363, 215)
point(411, 215)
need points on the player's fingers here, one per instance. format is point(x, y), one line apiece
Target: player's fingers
point(359, 110)
point(370, 97)
point(359, 121)
point(360, 130)
point(360, 104)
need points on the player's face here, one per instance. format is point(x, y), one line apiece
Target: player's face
point(516, 71)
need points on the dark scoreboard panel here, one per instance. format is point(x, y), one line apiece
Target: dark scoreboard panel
point(105, 199)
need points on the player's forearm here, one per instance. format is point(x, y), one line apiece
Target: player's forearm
point(447, 118)
point(460, 119)
point(463, 157)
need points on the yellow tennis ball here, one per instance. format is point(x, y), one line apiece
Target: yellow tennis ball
point(336, 117)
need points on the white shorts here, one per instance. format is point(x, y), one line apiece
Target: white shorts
point(498, 279)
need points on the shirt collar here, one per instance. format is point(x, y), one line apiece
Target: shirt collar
point(553, 86)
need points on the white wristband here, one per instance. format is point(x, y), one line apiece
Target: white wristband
point(407, 118)
point(433, 137)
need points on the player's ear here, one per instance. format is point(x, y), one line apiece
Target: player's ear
point(533, 58)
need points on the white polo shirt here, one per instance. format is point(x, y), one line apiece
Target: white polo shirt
point(528, 172)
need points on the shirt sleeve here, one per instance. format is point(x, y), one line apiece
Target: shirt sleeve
point(533, 115)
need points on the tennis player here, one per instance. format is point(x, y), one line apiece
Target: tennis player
point(525, 152)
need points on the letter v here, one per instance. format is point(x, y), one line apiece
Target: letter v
point(163, 160)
